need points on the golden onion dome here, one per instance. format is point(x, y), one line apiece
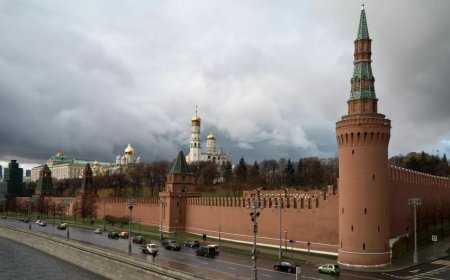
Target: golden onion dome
point(59, 154)
point(196, 119)
point(211, 137)
point(129, 150)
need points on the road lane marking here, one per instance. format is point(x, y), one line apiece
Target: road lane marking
point(232, 268)
point(442, 262)
point(431, 278)
point(359, 276)
point(266, 275)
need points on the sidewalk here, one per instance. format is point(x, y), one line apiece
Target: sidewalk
point(424, 254)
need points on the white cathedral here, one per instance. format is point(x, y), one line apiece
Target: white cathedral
point(210, 154)
point(128, 157)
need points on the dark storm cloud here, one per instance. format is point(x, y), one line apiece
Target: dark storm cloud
point(269, 78)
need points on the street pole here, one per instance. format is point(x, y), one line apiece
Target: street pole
point(161, 204)
point(220, 227)
point(415, 202)
point(29, 213)
point(66, 203)
point(130, 203)
point(254, 216)
point(255, 225)
point(104, 216)
point(280, 205)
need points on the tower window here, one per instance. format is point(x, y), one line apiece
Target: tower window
point(341, 244)
point(373, 177)
point(364, 246)
point(353, 152)
point(342, 210)
point(378, 228)
point(365, 210)
point(352, 227)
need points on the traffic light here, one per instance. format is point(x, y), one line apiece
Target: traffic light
point(253, 216)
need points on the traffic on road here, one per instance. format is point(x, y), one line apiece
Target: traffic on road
point(201, 259)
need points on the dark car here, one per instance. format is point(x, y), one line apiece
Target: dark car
point(166, 241)
point(62, 226)
point(173, 246)
point(206, 251)
point(138, 239)
point(192, 243)
point(113, 235)
point(285, 266)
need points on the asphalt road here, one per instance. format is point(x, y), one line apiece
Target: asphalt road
point(235, 266)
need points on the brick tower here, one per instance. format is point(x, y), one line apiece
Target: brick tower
point(44, 185)
point(180, 185)
point(363, 138)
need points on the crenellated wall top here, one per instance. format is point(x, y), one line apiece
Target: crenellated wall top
point(403, 175)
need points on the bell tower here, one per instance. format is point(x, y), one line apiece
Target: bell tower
point(195, 150)
point(363, 138)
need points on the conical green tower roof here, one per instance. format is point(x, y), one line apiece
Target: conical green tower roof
point(362, 82)
point(46, 169)
point(363, 31)
point(180, 165)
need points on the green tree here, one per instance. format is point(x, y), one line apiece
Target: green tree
point(289, 174)
point(254, 176)
point(241, 171)
point(300, 174)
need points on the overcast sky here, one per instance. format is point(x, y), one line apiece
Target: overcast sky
point(270, 78)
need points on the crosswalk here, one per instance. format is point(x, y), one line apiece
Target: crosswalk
point(435, 274)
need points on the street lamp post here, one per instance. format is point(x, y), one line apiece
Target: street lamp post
point(30, 200)
point(162, 206)
point(415, 202)
point(220, 229)
point(130, 203)
point(66, 203)
point(280, 205)
point(104, 216)
point(254, 216)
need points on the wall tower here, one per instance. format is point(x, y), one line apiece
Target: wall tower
point(363, 138)
point(180, 185)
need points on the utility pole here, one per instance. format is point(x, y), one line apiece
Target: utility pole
point(415, 202)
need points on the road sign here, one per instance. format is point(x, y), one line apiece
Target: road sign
point(434, 238)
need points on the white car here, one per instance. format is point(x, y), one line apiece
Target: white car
point(38, 222)
point(98, 231)
point(42, 223)
point(150, 248)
